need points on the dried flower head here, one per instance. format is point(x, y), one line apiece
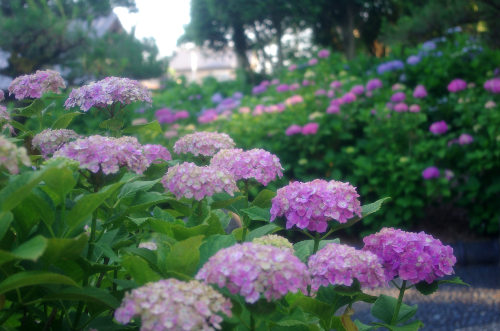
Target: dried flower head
point(310, 205)
point(203, 143)
point(33, 86)
point(11, 156)
point(251, 270)
point(171, 304)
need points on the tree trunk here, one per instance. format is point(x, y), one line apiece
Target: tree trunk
point(240, 46)
point(347, 32)
point(279, 34)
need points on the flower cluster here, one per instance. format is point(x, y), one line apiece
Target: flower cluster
point(338, 264)
point(310, 205)
point(411, 256)
point(189, 180)
point(438, 127)
point(11, 156)
point(457, 85)
point(5, 120)
point(492, 85)
point(274, 240)
point(390, 66)
point(251, 270)
point(33, 86)
point(323, 53)
point(105, 153)
point(203, 143)
point(106, 92)
point(373, 84)
point(171, 304)
point(398, 97)
point(420, 92)
point(255, 163)
point(156, 153)
point(48, 141)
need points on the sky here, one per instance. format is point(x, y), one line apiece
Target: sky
point(163, 20)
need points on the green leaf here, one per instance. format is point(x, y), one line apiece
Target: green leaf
point(21, 127)
point(224, 203)
point(62, 181)
point(29, 250)
point(304, 249)
point(129, 189)
point(36, 107)
point(365, 211)
point(144, 200)
point(86, 205)
point(5, 221)
point(426, 289)
point(64, 120)
point(64, 249)
point(312, 306)
point(87, 294)
point(363, 327)
point(257, 213)
point(153, 126)
point(263, 199)
point(262, 231)
point(384, 308)
point(414, 326)
point(212, 245)
point(199, 213)
point(30, 278)
point(113, 124)
point(455, 280)
point(140, 270)
point(185, 256)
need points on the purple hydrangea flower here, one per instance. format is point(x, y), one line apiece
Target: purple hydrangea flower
point(293, 129)
point(208, 116)
point(165, 115)
point(107, 92)
point(171, 304)
point(400, 107)
point(33, 86)
point(335, 85)
point(438, 127)
point(348, 97)
point(398, 97)
point(2, 96)
point(282, 88)
point(413, 60)
point(259, 89)
point(390, 66)
point(156, 153)
point(457, 85)
point(107, 154)
point(310, 128)
point(465, 139)
point(373, 84)
point(11, 156)
point(412, 256)
point(415, 108)
point(333, 109)
point(420, 92)
point(312, 61)
point(259, 164)
point(323, 53)
point(310, 205)
point(338, 264)
point(203, 143)
point(358, 89)
point(492, 85)
point(292, 67)
point(430, 173)
point(251, 270)
point(191, 181)
point(48, 141)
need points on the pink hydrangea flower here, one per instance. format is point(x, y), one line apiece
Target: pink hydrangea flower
point(397, 87)
point(294, 86)
point(373, 84)
point(2, 96)
point(398, 97)
point(181, 114)
point(208, 116)
point(338, 264)
point(48, 141)
point(411, 256)
point(293, 129)
point(438, 127)
point(203, 143)
point(282, 88)
point(335, 85)
point(320, 92)
point(358, 89)
point(415, 108)
point(33, 86)
point(310, 128)
point(292, 67)
point(171, 304)
point(465, 139)
point(457, 85)
point(106, 92)
point(492, 85)
point(333, 109)
point(106, 153)
point(165, 115)
point(12, 156)
point(348, 97)
point(324, 53)
point(252, 270)
point(5, 120)
point(420, 92)
point(259, 164)
point(490, 104)
point(156, 153)
point(430, 173)
point(311, 205)
point(400, 107)
point(294, 99)
point(191, 181)
point(312, 61)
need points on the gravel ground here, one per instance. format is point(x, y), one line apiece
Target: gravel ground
point(454, 307)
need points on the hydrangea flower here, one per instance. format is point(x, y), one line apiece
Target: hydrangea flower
point(203, 143)
point(282, 88)
point(5, 120)
point(333, 109)
point(294, 99)
point(293, 129)
point(48, 141)
point(171, 304)
point(411, 256)
point(358, 89)
point(33, 86)
point(310, 128)
point(420, 92)
point(312, 61)
point(400, 107)
point(490, 104)
point(208, 116)
point(106, 92)
point(438, 127)
point(292, 67)
point(11, 156)
point(390, 66)
point(373, 84)
point(413, 60)
point(106, 153)
point(338, 264)
point(492, 85)
point(156, 153)
point(398, 97)
point(348, 97)
point(414, 108)
point(323, 53)
point(274, 240)
point(191, 181)
point(457, 85)
point(465, 139)
point(251, 270)
point(310, 205)
point(165, 115)
point(430, 173)
point(259, 164)
point(2, 96)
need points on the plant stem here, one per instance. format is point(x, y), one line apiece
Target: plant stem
point(317, 239)
point(92, 237)
point(400, 301)
point(252, 322)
